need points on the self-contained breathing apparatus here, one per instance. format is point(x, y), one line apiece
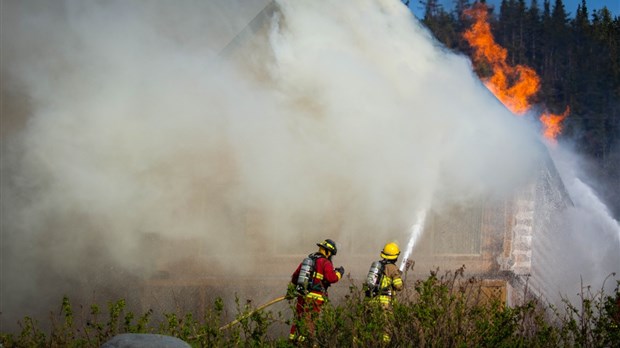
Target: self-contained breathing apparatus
point(374, 279)
point(306, 274)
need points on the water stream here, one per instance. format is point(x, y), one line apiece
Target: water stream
point(416, 232)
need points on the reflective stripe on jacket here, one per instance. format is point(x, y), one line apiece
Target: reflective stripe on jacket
point(390, 281)
point(324, 275)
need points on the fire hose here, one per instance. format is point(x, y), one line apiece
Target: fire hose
point(259, 308)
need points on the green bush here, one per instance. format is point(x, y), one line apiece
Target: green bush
point(439, 311)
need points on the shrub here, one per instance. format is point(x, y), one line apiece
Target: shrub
point(439, 311)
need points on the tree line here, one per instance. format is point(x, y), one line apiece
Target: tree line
point(577, 59)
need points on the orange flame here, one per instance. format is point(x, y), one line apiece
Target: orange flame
point(512, 85)
point(552, 124)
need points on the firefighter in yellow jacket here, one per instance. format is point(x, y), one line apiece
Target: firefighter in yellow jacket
point(384, 279)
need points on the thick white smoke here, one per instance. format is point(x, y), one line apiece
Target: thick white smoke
point(134, 126)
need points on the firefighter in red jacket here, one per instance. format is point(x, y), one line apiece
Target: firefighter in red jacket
point(310, 283)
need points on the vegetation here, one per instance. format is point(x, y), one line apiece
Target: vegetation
point(576, 53)
point(439, 311)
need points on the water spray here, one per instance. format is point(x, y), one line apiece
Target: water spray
point(586, 193)
point(416, 231)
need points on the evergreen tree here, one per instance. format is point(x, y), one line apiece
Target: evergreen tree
point(604, 124)
point(546, 31)
point(555, 56)
point(520, 32)
point(533, 32)
point(431, 11)
point(579, 72)
point(440, 23)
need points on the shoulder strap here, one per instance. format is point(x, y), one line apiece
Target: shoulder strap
point(317, 286)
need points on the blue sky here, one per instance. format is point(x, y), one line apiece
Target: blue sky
point(569, 5)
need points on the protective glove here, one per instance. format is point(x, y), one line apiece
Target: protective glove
point(340, 270)
point(291, 291)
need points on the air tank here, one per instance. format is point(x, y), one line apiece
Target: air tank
point(374, 273)
point(305, 273)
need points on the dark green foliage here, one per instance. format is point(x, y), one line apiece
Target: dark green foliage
point(439, 311)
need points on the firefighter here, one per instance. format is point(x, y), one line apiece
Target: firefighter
point(309, 283)
point(384, 279)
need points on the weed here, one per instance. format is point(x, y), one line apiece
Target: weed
point(443, 310)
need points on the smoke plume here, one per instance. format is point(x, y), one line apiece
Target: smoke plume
point(122, 121)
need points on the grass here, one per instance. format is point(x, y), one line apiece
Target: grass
point(443, 310)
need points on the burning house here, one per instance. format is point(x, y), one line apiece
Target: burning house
point(500, 242)
point(202, 149)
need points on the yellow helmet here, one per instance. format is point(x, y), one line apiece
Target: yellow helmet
point(390, 251)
